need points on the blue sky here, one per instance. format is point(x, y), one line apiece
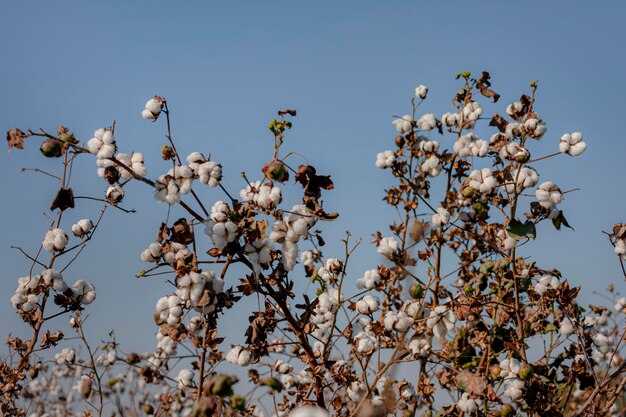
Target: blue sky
point(347, 67)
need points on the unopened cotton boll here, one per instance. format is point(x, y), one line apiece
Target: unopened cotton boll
point(385, 159)
point(441, 218)
point(421, 91)
point(82, 227)
point(238, 355)
point(572, 144)
point(403, 124)
point(55, 240)
point(549, 195)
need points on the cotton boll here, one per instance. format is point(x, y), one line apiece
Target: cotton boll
point(441, 320)
point(404, 124)
point(432, 166)
point(83, 292)
point(147, 115)
point(367, 305)
point(184, 378)
point(427, 122)
point(153, 108)
point(152, 253)
point(308, 411)
point(369, 280)
point(513, 388)
point(549, 195)
point(385, 159)
point(290, 254)
point(55, 240)
point(441, 218)
point(388, 246)
point(469, 405)
point(451, 119)
point(572, 144)
point(114, 194)
point(546, 283)
point(421, 91)
point(82, 228)
point(238, 355)
point(365, 343)
point(420, 347)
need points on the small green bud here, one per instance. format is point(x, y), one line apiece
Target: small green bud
point(416, 291)
point(51, 148)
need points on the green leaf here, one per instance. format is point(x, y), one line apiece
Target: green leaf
point(518, 230)
point(560, 220)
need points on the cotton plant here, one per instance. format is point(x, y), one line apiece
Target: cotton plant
point(449, 295)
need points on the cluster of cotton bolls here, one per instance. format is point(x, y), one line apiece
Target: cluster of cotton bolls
point(513, 385)
point(169, 309)
point(441, 217)
point(506, 241)
point(469, 405)
point(470, 145)
point(166, 348)
point(184, 378)
point(420, 347)
point(239, 355)
point(572, 144)
point(404, 124)
point(153, 108)
point(427, 122)
point(545, 283)
point(369, 280)
point(259, 253)
point(102, 144)
point(399, 322)
point(289, 230)
point(207, 171)
point(526, 178)
point(328, 302)
point(171, 186)
point(385, 159)
point(441, 320)
point(82, 228)
point(483, 181)
point(549, 195)
point(219, 228)
point(55, 240)
point(191, 286)
point(265, 196)
point(133, 161)
point(329, 270)
point(388, 246)
point(471, 113)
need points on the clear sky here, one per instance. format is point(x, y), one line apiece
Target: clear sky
point(347, 67)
